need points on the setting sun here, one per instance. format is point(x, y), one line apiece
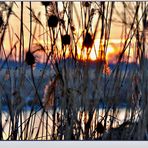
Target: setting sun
point(93, 53)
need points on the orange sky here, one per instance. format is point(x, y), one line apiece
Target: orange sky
point(114, 44)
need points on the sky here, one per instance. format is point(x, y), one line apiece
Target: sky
point(114, 46)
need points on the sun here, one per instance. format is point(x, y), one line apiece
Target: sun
point(94, 52)
point(93, 55)
point(110, 50)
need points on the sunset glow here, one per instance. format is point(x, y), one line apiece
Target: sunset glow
point(42, 35)
point(94, 53)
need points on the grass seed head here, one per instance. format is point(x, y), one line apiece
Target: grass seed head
point(66, 39)
point(86, 4)
point(88, 41)
point(100, 128)
point(53, 21)
point(46, 3)
point(1, 20)
point(30, 59)
point(73, 28)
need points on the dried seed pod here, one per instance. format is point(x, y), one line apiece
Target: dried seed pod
point(1, 20)
point(72, 28)
point(66, 39)
point(100, 128)
point(30, 59)
point(53, 21)
point(62, 21)
point(146, 25)
point(86, 4)
point(88, 41)
point(46, 3)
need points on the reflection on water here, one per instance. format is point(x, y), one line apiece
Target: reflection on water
point(40, 125)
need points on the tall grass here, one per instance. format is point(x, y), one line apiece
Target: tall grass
point(72, 97)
